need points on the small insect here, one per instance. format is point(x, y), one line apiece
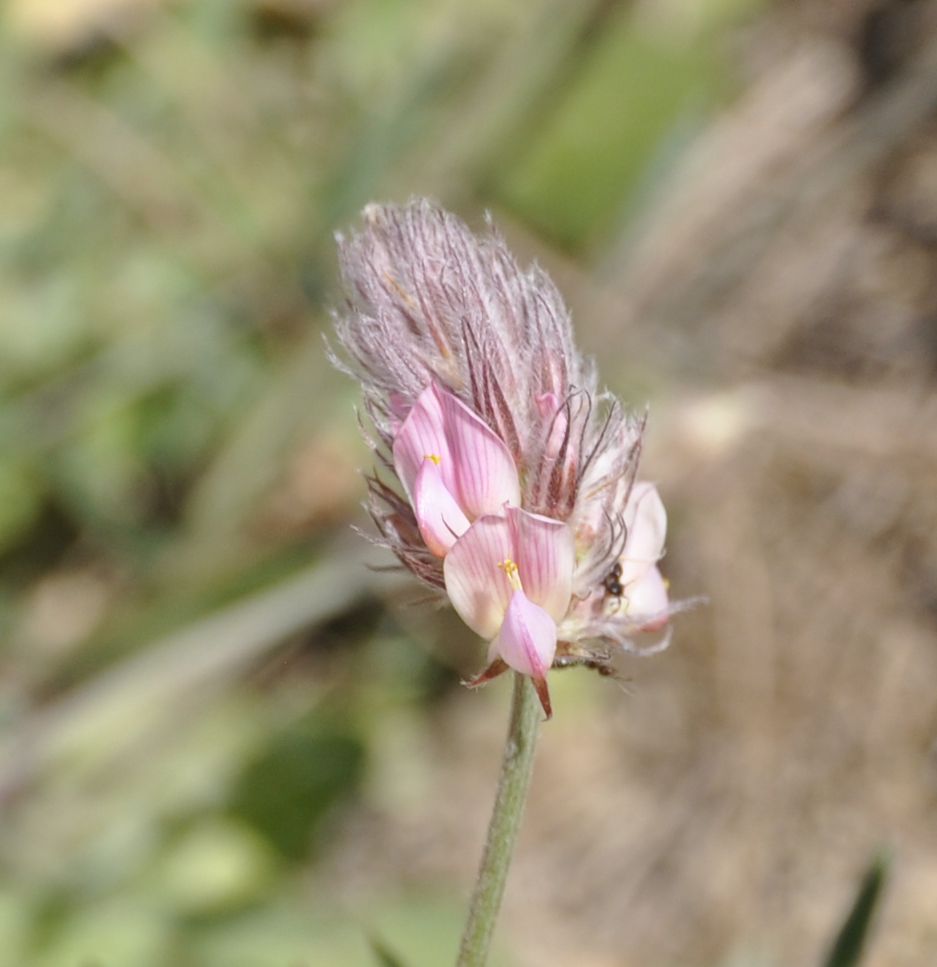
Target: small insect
point(602, 664)
point(612, 583)
point(606, 671)
point(599, 665)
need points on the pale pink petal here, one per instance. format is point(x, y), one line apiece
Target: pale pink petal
point(646, 521)
point(420, 436)
point(482, 466)
point(527, 640)
point(439, 517)
point(648, 596)
point(650, 640)
point(545, 557)
point(477, 587)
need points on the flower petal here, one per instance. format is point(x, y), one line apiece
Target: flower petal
point(482, 466)
point(646, 521)
point(648, 596)
point(420, 436)
point(527, 642)
point(477, 587)
point(545, 557)
point(439, 517)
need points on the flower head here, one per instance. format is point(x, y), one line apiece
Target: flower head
point(514, 485)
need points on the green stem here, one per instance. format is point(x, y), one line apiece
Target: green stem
point(516, 768)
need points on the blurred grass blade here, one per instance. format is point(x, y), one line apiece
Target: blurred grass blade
point(850, 941)
point(385, 957)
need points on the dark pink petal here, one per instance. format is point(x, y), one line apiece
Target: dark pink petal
point(439, 517)
point(477, 586)
point(646, 521)
point(545, 556)
point(482, 466)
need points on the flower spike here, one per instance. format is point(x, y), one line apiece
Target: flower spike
point(515, 474)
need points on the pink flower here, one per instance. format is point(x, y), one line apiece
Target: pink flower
point(515, 486)
point(510, 580)
point(452, 467)
point(508, 573)
point(631, 606)
point(644, 588)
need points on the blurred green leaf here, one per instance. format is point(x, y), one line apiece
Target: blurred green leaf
point(292, 783)
point(629, 94)
point(216, 866)
point(19, 500)
point(112, 931)
point(848, 946)
point(383, 953)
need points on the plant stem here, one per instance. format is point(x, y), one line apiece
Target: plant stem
point(516, 768)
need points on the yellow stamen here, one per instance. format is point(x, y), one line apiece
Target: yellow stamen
point(510, 569)
point(435, 457)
